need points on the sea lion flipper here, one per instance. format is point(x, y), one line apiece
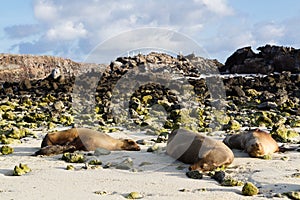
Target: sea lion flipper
point(55, 149)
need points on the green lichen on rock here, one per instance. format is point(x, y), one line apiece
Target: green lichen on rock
point(153, 148)
point(293, 195)
point(282, 134)
point(249, 189)
point(232, 125)
point(70, 167)
point(134, 195)
point(252, 93)
point(5, 150)
point(295, 123)
point(21, 170)
point(163, 137)
point(147, 99)
point(231, 182)
point(95, 162)
point(73, 157)
point(267, 157)
point(263, 119)
point(9, 115)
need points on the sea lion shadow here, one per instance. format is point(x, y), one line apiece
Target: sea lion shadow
point(279, 187)
point(225, 189)
point(24, 151)
point(240, 153)
point(6, 172)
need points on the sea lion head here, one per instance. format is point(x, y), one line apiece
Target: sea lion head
point(130, 145)
point(255, 150)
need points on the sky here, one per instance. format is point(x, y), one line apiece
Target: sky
point(74, 29)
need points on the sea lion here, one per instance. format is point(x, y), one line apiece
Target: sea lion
point(256, 143)
point(83, 139)
point(204, 153)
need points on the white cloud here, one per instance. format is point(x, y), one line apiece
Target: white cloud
point(269, 32)
point(91, 22)
point(46, 10)
point(67, 31)
point(72, 28)
point(218, 6)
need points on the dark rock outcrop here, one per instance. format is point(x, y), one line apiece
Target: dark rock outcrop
point(269, 59)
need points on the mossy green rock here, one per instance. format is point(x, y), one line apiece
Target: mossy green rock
point(21, 170)
point(233, 125)
point(293, 195)
point(252, 92)
point(134, 195)
point(249, 189)
point(267, 157)
point(9, 115)
point(70, 167)
point(231, 182)
point(153, 148)
point(73, 157)
point(282, 134)
point(95, 162)
point(5, 150)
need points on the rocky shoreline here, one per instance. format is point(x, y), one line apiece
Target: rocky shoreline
point(144, 97)
point(226, 102)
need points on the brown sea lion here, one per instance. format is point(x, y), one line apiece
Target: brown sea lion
point(83, 139)
point(256, 143)
point(204, 153)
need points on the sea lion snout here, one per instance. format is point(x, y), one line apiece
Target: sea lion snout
point(256, 150)
point(203, 153)
point(257, 143)
point(130, 145)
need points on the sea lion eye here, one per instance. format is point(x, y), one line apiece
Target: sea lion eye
point(131, 142)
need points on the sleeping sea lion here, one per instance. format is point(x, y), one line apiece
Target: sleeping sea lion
point(256, 143)
point(204, 153)
point(83, 139)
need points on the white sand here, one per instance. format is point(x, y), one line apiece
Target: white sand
point(49, 178)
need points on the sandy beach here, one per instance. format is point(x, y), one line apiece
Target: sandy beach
point(154, 175)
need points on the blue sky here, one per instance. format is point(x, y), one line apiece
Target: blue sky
point(72, 29)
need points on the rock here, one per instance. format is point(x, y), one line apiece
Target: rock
point(59, 105)
point(238, 91)
point(231, 182)
point(293, 195)
point(70, 167)
point(134, 195)
point(194, 174)
point(95, 162)
point(282, 134)
point(232, 125)
point(73, 157)
point(36, 67)
point(5, 150)
point(219, 176)
point(269, 59)
point(267, 157)
point(126, 164)
point(101, 151)
point(100, 192)
point(21, 170)
point(249, 189)
point(153, 148)
point(163, 137)
point(55, 73)
point(267, 105)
